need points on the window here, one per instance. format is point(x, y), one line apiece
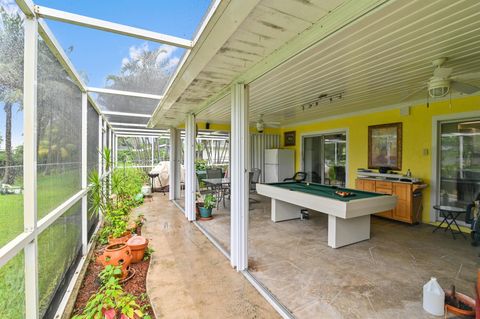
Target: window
point(459, 162)
point(324, 158)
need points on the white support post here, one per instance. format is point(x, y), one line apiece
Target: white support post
point(84, 173)
point(174, 176)
point(100, 156)
point(239, 177)
point(110, 137)
point(30, 165)
point(190, 182)
point(178, 157)
point(100, 147)
point(115, 150)
point(153, 150)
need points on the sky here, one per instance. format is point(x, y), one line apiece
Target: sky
point(96, 54)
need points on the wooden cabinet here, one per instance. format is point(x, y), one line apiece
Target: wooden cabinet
point(409, 198)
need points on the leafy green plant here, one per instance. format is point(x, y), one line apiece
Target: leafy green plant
point(200, 165)
point(148, 253)
point(209, 201)
point(97, 195)
point(126, 184)
point(111, 301)
point(115, 224)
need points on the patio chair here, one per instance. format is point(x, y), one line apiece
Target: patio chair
point(298, 177)
point(214, 173)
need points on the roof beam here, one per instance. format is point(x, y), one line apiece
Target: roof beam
point(116, 129)
point(126, 114)
point(120, 133)
point(128, 124)
point(103, 25)
point(126, 93)
point(138, 134)
point(27, 7)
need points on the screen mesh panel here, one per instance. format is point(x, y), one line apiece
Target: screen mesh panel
point(58, 247)
point(128, 104)
point(92, 156)
point(127, 119)
point(136, 151)
point(11, 122)
point(59, 126)
point(12, 288)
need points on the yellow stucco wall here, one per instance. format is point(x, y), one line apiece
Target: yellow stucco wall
point(417, 136)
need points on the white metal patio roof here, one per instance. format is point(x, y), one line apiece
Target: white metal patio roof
point(364, 55)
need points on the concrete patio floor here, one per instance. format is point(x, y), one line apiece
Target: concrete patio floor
point(188, 277)
point(379, 278)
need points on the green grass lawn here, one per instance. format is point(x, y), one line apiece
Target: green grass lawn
point(52, 191)
point(56, 246)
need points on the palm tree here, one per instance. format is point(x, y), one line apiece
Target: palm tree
point(11, 78)
point(148, 72)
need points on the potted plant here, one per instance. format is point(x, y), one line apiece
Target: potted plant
point(458, 303)
point(118, 255)
point(138, 245)
point(209, 202)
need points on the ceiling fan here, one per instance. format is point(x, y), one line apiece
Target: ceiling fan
point(442, 82)
point(260, 124)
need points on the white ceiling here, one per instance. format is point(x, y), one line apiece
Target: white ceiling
point(269, 25)
point(376, 62)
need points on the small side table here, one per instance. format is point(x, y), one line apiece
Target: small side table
point(452, 213)
point(152, 177)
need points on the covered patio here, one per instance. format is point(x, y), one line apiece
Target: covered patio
point(376, 278)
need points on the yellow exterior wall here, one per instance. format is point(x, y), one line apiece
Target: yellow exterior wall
point(417, 136)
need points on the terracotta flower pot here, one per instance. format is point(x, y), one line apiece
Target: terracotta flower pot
point(117, 255)
point(464, 300)
point(120, 240)
point(137, 245)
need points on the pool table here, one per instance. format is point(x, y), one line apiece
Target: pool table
point(348, 217)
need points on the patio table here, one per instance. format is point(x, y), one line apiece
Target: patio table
point(450, 212)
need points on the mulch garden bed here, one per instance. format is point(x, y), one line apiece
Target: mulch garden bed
point(135, 286)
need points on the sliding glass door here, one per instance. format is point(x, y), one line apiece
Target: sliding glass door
point(459, 162)
point(324, 158)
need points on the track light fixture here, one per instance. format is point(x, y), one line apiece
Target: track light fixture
point(322, 98)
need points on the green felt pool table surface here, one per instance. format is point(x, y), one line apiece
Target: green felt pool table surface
point(325, 190)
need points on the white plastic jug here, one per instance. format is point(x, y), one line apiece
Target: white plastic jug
point(433, 298)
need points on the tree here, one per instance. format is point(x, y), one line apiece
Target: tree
point(11, 78)
point(59, 108)
point(147, 71)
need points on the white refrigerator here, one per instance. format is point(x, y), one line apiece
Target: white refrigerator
point(279, 164)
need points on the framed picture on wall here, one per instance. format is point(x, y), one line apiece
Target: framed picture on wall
point(385, 146)
point(289, 138)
